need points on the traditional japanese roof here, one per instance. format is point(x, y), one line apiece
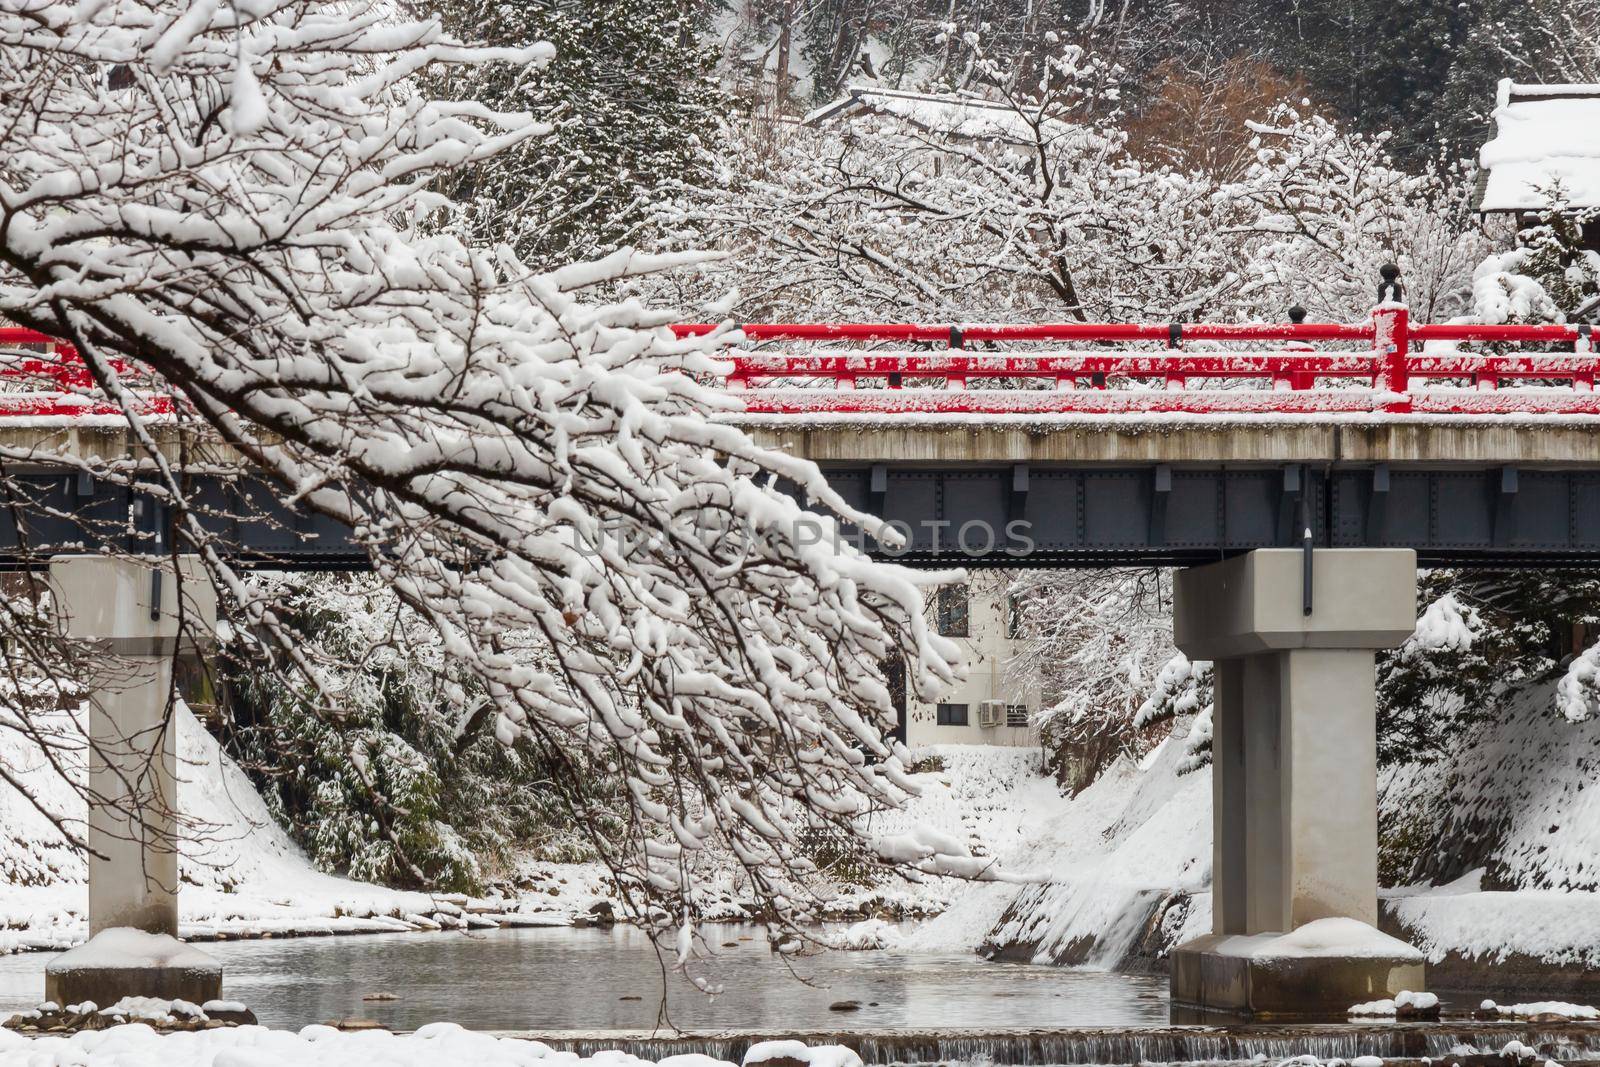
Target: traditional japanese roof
point(1545, 135)
point(953, 115)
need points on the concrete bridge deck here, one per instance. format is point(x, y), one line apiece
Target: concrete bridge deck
point(1321, 440)
point(1116, 491)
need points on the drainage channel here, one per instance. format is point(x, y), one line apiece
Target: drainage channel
point(1565, 1043)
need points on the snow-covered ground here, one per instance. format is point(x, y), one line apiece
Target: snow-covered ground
point(242, 875)
point(435, 1045)
point(1132, 848)
point(1510, 864)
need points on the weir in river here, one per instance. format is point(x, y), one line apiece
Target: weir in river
point(1029, 1048)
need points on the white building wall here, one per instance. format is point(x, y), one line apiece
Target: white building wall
point(988, 651)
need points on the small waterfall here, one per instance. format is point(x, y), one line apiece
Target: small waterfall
point(1175, 1045)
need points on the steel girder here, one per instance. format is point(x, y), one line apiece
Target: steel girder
point(1003, 516)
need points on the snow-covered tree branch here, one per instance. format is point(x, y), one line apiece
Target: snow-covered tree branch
point(239, 199)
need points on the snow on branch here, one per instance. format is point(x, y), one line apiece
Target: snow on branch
point(1446, 625)
point(1578, 692)
point(241, 199)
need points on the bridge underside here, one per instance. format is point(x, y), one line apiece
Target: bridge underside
point(1458, 492)
point(1022, 515)
point(999, 515)
point(44, 514)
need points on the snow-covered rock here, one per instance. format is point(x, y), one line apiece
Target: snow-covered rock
point(868, 934)
point(1557, 1008)
point(799, 1054)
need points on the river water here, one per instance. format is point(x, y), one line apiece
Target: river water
point(594, 979)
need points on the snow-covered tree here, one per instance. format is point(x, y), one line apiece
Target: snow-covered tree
point(1097, 642)
point(1547, 275)
point(630, 97)
point(1327, 206)
point(1184, 687)
point(1036, 215)
point(1482, 636)
point(239, 202)
point(1037, 210)
point(1563, 42)
point(392, 787)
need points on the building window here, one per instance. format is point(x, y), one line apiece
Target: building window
point(1013, 617)
point(1016, 714)
point(952, 715)
point(952, 611)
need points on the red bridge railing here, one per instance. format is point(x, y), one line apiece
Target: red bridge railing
point(980, 368)
point(41, 377)
point(1020, 369)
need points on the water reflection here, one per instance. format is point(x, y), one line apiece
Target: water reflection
point(566, 979)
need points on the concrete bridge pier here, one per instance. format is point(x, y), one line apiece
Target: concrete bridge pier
point(1294, 751)
point(129, 611)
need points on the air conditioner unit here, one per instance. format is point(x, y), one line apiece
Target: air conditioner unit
point(992, 713)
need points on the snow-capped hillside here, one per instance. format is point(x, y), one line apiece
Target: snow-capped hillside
point(1517, 796)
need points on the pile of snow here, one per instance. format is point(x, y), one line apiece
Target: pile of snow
point(867, 934)
point(1542, 1007)
point(1516, 1050)
point(793, 1053)
point(1446, 625)
point(1405, 1002)
point(153, 1009)
point(1334, 936)
point(123, 946)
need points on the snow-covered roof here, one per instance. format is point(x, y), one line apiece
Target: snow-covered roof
point(963, 116)
point(1544, 135)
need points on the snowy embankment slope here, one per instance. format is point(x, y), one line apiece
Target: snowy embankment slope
point(241, 874)
point(979, 795)
point(1504, 835)
point(1132, 849)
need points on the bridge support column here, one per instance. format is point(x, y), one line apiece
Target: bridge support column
point(130, 612)
point(1294, 765)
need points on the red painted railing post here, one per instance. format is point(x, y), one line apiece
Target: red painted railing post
point(1391, 340)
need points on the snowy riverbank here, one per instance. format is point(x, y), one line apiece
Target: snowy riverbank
point(436, 1045)
point(241, 874)
point(1120, 873)
point(1504, 836)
